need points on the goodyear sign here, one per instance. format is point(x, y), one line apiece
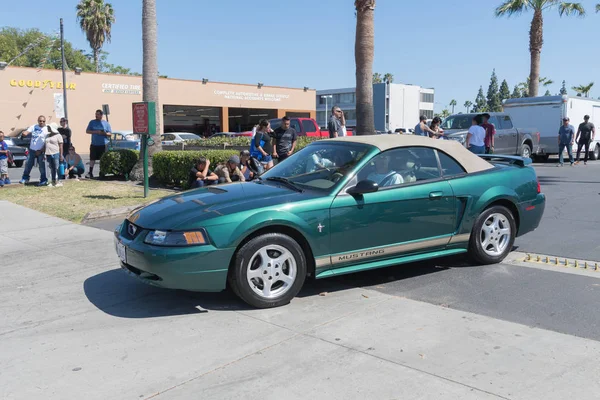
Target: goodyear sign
point(48, 83)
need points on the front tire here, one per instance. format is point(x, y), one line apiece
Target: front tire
point(493, 235)
point(595, 154)
point(526, 151)
point(268, 271)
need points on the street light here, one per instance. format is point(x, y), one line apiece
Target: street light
point(326, 108)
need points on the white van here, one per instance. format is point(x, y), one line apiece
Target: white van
point(546, 114)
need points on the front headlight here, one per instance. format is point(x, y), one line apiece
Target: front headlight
point(176, 239)
point(459, 138)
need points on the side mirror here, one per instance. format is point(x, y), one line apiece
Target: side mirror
point(363, 187)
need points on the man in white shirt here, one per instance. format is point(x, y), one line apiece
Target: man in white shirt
point(38, 138)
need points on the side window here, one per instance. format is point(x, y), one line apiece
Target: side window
point(401, 167)
point(494, 121)
point(296, 125)
point(449, 165)
point(169, 137)
point(506, 122)
point(308, 126)
point(117, 136)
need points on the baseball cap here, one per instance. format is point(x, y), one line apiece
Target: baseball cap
point(234, 160)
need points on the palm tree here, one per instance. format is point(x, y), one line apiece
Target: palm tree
point(584, 89)
point(453, 104)
point(468, 105)
point(598, 7)
point(524, 86)
point(96, 19)
point(377, 78)
point(536, 33)
point(388, 78)
point(364, 51)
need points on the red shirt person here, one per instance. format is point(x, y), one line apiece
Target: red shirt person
point(490, 132)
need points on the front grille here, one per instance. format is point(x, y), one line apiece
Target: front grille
point(130, 231)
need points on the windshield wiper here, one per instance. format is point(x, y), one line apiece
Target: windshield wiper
point(286, 181)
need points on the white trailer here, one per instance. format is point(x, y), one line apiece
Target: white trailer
point(546, 114)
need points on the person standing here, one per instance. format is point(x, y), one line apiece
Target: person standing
point(421, 129)
point(566, 133)
point(3, 161)
point(285, 140)
point(490, 133)
point(65, 131)
point(54, 154)
point(476, 136)
point(36, 151)
point(335, 125)
point(585, 135)
point(435, 127)
point(262, 144)
point(100, 131)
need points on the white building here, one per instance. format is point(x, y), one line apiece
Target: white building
point(395, 105)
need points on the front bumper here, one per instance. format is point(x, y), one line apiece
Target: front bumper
point(531, 213)
point(197, 268)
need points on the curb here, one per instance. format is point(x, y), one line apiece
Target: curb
point(107, 214)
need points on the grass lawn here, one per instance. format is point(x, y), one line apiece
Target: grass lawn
point(75, 199)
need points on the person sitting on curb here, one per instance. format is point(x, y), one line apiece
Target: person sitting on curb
point(75, 164)
point(201, 175)
point(230, 171)
point(244, 165)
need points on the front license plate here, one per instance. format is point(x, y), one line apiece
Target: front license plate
point(122, 252)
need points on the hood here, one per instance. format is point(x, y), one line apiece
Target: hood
point(449, 132)
point(200, 205)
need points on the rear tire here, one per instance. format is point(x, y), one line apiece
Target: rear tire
point(268, 271)
point(19, 163)
point(526, 151)
point(493, 235)
point(595, 153)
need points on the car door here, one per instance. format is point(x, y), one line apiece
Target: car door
point(309, 127)
point(505, 140)
point(401, 219)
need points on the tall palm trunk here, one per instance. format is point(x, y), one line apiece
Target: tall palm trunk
point(149, 78)
point(364, 49)
point(536, 41)
point(96, 59)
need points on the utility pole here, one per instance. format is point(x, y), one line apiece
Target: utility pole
point(64, 75)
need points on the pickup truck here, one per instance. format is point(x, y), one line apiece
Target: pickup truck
point(303, 126)
point(508, 139)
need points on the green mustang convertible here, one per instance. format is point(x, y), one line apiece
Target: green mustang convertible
point(335, 207)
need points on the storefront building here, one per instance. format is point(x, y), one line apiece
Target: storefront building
point(200, 107)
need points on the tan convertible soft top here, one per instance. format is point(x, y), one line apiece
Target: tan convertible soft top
point(470, 162)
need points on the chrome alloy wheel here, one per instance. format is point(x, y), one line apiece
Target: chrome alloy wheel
point(272, 271)
point(495, 235)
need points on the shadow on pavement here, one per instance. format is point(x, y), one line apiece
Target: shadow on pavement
point(119, 295)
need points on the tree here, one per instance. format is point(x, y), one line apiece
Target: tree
point(504, 91)
point(524, 86)
point(547, 93)
point(516, 94)
point(149, 79)
point(480, 102)
point(364, 52)
point(493, 96)
point(453, 104)
point(445, 113)
point(583, 90)
point(96, 19)
point(389, 78)
point(468, 105)
point(377, 78)
point(536, 33)
point(563, 89)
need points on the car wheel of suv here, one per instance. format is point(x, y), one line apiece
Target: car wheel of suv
point(493, 235)
point(526, 151)
point(268, 271)
point(19, 163)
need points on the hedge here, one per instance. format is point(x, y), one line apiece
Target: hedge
point(243, 141)
point(118, 162)
point(173, 167)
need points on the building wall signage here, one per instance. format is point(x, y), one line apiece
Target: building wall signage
point(251, 96)
point(40, 84)
point(120, 88)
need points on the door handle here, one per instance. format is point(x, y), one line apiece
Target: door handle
point(435, 195)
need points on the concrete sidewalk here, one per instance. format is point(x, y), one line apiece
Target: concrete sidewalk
point(73, 325)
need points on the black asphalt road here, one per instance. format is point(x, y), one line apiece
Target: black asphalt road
point(557, 301)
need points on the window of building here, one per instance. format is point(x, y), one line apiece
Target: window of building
point(347, 98)
point(427, 98)
point(350, 115)
point(426, 113)
point(449, 165)
point(309, 126)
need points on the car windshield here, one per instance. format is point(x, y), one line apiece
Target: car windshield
point(275, 123)
point(319, 166)
point(188, 136)
point(458, 122)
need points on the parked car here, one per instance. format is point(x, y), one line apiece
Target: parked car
point(19, 153)
point(124, 140)
point(508, 139)
point(304, 127)
point(172, 138)
point(406, 198)
point(546, 113)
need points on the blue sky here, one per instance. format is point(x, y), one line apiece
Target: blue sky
point(311, 42)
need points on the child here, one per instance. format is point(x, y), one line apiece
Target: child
point(3, 161)
point(201, 175)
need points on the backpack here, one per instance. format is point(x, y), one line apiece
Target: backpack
point(254, 151)
point(255, 166)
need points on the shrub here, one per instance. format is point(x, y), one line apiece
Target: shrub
point(118, 162)
point(220, 142)
point(173, 167)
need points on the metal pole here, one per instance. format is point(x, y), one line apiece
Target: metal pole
point(145, 150)
point(326, 111)
point(64, 75)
